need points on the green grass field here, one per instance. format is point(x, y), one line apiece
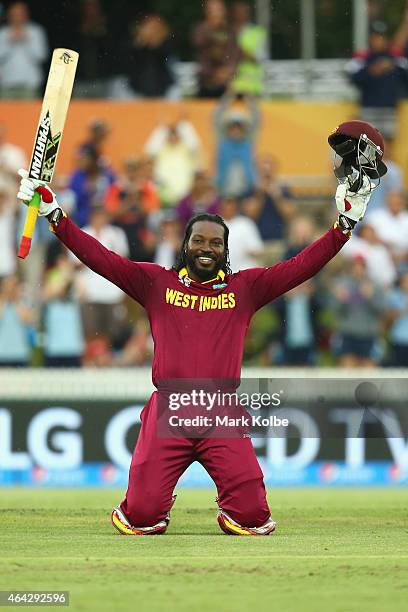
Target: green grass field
point(335, 550)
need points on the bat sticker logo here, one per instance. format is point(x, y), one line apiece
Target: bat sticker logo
point(66, 58)
point(45, 151)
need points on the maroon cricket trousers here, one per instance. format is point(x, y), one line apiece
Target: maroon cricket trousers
point(158, 463)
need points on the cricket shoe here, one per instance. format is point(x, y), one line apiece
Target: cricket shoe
point(231, 527)
point(120, 522)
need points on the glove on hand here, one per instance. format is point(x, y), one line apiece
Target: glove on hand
point(26, 193)
point(352, 205)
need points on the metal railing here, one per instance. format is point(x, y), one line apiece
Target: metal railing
point(311, 79)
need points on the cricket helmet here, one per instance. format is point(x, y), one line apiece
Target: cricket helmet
point(359, 149)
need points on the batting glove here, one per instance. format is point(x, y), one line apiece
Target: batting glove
point(352, 205)
point(26, 193)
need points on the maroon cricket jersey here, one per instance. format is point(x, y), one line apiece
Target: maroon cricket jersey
point(199, 329)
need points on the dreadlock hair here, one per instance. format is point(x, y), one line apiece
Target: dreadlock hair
point(181, 260)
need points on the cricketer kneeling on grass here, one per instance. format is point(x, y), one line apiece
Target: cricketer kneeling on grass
point(199, 313)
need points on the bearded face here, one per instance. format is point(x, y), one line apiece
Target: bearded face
point(205, 250)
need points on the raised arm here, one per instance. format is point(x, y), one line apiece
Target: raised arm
point(401, 36)
point(134, 278)
point(220, 112)
point(266, 284)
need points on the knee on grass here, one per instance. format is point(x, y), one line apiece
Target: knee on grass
point(149, 515)
point(140, 518)
point(232, 527)
point(245, 504)
point(122, 524)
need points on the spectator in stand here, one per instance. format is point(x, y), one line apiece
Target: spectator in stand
point(298, 310)
point(98, 49)
point(11, 157)
point(244, 241)
point(271, 205)
point(235, 132)
point(380, 265)
point(301, 232)
point(102, 302)
point(65, 195)
point(23, 50)
point(358, 306)
point(89, 182)
point(251, 40)
point(131, 200)
point(16, 319)
point(134, 181)
point(98, 132)
point(240, 16)
point(176, 152)
point(98, 353)
point(397, 319)
point(216, 50)
point(169, 242)
point(138, 350)
point(381, 75)
point(251, 207)
point(8, 259)
point(391, 224)
point(63, 333)
point(392, 181)
point(145, 173)
point(151, 59)
point(400, 41)
point(203, 198)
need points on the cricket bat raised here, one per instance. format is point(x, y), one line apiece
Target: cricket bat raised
point(49, 132)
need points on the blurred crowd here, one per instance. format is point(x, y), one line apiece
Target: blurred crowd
point(56, 312)
point(138, 58)
point(380, 74)
point(139, 62)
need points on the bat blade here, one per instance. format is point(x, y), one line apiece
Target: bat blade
point(53, 114)
point(49, 132)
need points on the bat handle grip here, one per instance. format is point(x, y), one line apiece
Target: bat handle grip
point(29, 225)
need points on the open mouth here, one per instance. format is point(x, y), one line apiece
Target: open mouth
point(205, 261)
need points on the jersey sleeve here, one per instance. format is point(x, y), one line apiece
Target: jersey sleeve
point(134, 278)
point(266, 284)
